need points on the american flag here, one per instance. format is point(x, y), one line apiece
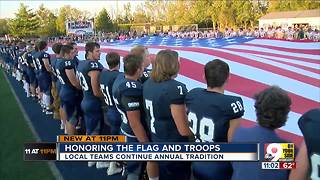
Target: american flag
point(255, 64)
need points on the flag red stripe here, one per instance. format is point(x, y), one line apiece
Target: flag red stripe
point(303, 51)
point(203, 50)
point(276, 55)
point(295, 65)
point(294, 40)
point(263, 66)
point(237, 84)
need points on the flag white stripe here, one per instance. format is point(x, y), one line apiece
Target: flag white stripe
point(261, 49)
point(286, 44)
point(302, 63)
point(273, 63)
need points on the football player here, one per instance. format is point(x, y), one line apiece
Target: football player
point(56, 48)
point(107, 78)
point(29, 69)
point(88, 72)
point(143, 51)
point(127, 94)
point(272, 107)
point(308, 159)
point(213, 117)
point(80, 125)
point(54, 64)
point(165, 110)
point(43, 61)
point(75, 53)
point(69, 84)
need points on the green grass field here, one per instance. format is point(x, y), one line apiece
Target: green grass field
point(14, 133)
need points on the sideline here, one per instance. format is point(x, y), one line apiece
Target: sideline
point(56, 173)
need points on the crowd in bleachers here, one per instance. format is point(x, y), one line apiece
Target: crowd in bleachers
point(149, 105)
point(290, 33)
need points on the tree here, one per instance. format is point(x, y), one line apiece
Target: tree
point(127, 13)
point(68, 13)
point(25, 24)
point(179, 12)
point(61, 21)
point(200, 13)
point(47, 22)
point(4, 28)
point(157, 11)
point(292, 5)
point(139, 16)
point(103, 22)
point(244, 13)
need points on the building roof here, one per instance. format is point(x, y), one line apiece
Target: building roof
point(292, 14)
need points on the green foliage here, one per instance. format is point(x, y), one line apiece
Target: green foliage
point(205, 13)
point(61, 21)
point(68, 13)
point(47, 22)
point(293, 5)
point(4, 27)
point(25, 24)
point(125, 27)
point(103, 22)
point(127, 18)
point(140, 15)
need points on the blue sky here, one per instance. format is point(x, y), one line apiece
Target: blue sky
point(8, 8)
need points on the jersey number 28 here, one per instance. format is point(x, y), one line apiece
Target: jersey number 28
point(204, 127)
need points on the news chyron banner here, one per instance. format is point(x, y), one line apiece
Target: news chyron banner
point(115, 148)
point(278, 156)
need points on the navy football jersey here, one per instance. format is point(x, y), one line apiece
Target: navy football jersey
point(36, 62)
point(53, 62)
point(127, 95)
point(75, 61)
point(157, 99)
point(42, 56)
point(61, 65)
point(15, 51)
point(209, 114)
point(28, 58)
point(309, 124)
point(145, 75)
point(107, 79)
point(84, 67)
